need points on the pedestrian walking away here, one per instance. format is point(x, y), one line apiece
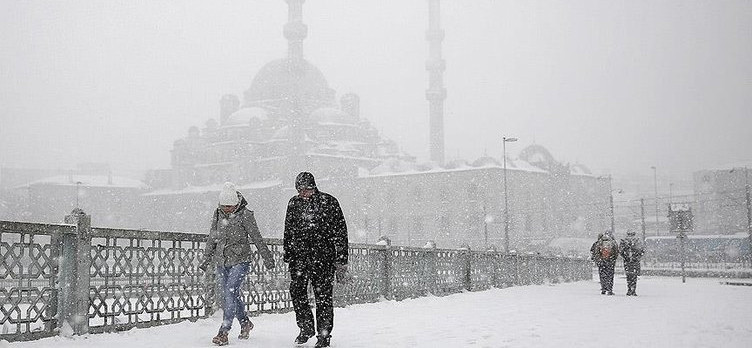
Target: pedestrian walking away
point(631, 250)
point(233, 228)
point(316, 249)
point(604, 253)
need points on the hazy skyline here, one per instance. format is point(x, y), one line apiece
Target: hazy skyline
point(617, 86)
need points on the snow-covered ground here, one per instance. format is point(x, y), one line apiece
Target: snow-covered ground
point(667, 313)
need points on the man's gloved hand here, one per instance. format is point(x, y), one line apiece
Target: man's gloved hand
point(341, 275)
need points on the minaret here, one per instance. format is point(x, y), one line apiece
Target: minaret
point(436, 93)
point(295, 30)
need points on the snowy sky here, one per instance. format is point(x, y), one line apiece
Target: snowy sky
point(616, 85)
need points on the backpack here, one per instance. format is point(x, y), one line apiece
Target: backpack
point(606, 249)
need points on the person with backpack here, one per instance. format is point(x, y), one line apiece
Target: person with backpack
point(631, 249)
point(604, 252)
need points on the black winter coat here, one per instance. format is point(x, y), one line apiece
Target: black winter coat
point(631, 251)
point(315, 230)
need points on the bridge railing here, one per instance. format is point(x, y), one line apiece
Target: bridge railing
point(75, 279)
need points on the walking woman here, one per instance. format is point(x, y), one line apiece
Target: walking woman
point(233, 227)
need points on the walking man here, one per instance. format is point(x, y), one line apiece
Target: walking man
point(631, 251)
point(315, 247)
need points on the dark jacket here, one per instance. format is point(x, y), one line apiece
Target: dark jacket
point(631, 250)
point(231, 235)
point(605, 246)
point(315, 230)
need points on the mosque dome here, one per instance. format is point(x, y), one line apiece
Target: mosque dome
point(243, 116)
point(282, 79)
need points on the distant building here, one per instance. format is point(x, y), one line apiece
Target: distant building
point(113, 201)
point(720, 200)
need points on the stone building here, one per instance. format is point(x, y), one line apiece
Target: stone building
point(721, 206)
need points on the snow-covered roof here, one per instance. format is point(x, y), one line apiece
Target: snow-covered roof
point(703, 236)
point(203, 165)
point(310, 154)
point(415, 171)
point(215, 188)
point(90, 181)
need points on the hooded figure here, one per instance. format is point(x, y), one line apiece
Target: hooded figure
point(316, 248)
point(604, 253)
point(631, 250)
point(233, 228)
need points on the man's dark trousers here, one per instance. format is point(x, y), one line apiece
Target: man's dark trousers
point(321, 276)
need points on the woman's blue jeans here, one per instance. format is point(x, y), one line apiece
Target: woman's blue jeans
point(230, 278)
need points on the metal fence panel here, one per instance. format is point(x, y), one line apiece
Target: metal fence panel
point(145, 278)
point(29, 274)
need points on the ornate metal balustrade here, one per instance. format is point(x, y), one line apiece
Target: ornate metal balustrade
point(99, 279)
point(145, 278)
point(29, 277)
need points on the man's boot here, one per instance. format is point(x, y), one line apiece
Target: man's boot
point(323, 341)
point(304, 336)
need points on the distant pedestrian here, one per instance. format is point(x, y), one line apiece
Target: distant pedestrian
point(604, 252)
point(631, 250)
point(315, 246)
point(233, 228)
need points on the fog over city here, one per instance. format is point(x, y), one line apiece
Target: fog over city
point(206, 173)
point(617, 86)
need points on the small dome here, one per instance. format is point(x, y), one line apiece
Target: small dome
point(456, 164)
point(330, 115)
point(193, 132)
point(243, 116)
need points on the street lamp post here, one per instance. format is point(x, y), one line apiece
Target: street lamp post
point(485, 227)
point(749, 204)
point(670, 192)
point(655, 186)
point(749, 208)
point(78, 187)
point(506, 200)
point(611, 203)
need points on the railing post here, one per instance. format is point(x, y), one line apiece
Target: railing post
point(492, 255)
point(430, 267)
point(466, 256)
point(53, 309)
point(386, 269)
point(75, 260)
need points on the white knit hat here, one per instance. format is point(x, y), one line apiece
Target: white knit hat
point(228, 195)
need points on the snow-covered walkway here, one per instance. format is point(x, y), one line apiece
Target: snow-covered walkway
point(667, 313)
